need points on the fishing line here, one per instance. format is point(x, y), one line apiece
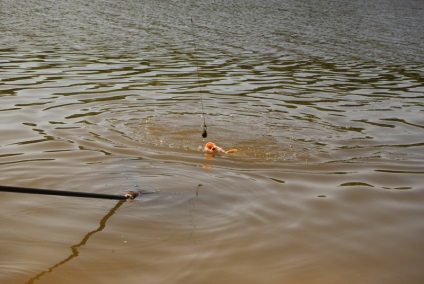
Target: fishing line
point(204, 133)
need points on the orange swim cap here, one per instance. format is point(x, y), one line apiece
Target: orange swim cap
point(210, 146)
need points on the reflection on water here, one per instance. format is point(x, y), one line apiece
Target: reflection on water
point(75, 247)
point(322, 100)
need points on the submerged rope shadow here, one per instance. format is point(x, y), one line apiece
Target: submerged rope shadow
point(193, 232)
point(74, 248)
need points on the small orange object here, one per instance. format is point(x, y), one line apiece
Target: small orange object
point(211, 147)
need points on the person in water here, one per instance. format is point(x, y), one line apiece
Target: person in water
point(212, 148)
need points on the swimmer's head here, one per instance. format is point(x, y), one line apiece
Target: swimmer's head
point(210, 146)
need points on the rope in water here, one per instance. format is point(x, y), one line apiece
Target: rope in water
point(204, 133)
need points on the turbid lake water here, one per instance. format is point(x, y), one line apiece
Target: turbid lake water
point(324, 101)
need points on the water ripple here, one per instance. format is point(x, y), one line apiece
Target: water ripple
point(324, 111)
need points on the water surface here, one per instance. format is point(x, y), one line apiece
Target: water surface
point(323, 100)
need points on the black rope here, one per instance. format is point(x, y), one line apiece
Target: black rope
point(204, 133)
point(61, 192)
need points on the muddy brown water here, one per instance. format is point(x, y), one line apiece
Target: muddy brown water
point(324, 101)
